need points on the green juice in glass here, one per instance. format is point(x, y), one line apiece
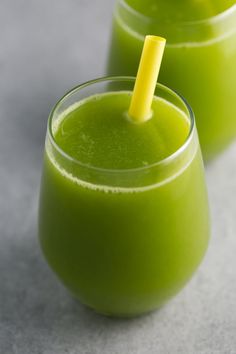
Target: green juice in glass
point(199, 60)
point(123, 217)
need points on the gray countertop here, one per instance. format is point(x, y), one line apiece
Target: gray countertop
point(46, 47)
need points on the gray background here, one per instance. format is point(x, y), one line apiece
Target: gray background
point(46, 47)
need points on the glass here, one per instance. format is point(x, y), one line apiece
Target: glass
point(123, 241)
point(199, 62)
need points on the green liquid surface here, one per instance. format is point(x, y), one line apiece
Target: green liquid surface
point(98, 132)
point(181, 10)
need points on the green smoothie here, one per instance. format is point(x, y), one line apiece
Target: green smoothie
point(199, 60)
point(123, 213)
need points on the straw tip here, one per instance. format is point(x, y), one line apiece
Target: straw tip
point(156, 39)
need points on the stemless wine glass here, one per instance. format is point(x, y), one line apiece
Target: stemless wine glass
point(199, 63)
point(123, 241)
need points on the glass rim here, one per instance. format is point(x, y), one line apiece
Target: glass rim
point(208, 20)
point(167, 160)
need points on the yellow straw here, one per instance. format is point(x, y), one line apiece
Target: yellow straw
point(145, 84)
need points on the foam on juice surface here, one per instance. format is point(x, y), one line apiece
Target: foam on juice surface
point(173, 124)
point(97, 132)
